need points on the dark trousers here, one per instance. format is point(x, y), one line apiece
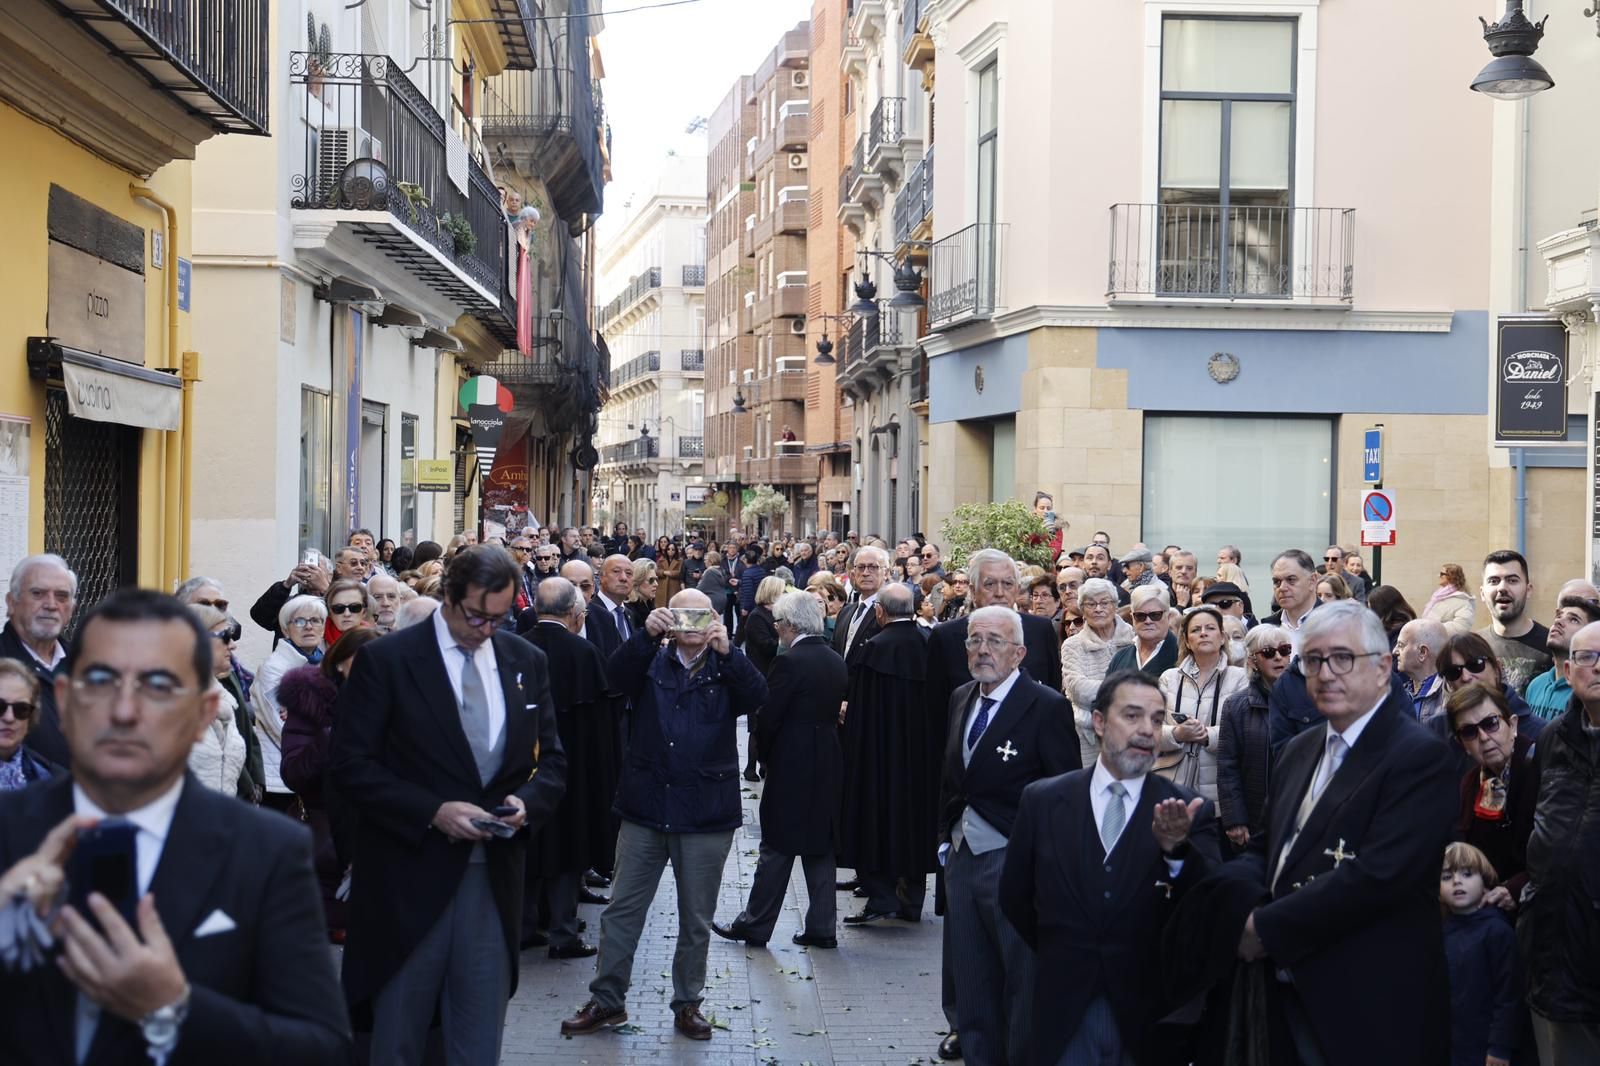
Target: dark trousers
point(994, 975)
point(771, 882)
point(559, 894)
point(886, 893)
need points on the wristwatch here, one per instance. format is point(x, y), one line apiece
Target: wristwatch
point(162, 1026)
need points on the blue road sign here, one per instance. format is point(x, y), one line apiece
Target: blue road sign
point(185, 276)
point(1372, 456)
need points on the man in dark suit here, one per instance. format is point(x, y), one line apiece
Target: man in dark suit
point(857, 620)
point(230, 960)
point(1090, 889)
point(799, 736)
point(39, 605)
point(1006, 731)
point(992, 580)
point(446, 731)
point(1359, 813)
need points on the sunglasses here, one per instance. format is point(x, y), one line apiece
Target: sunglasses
point(346, 608)
point(1072, 623)
point(1282, 650)
point(230, 634)
point(1149, 616)
point(1488, 727)
point(1451, 671)
point(221, 605)
point(1224, 604)
point(21, 710)
point(1331, 558)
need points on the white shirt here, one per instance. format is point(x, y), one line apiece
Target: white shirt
point(55, 657)
point(1100, 798)
point(488, 671)
point(154, 822)
point(1294, 626)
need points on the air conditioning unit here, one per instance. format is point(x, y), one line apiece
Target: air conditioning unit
point(797, 326)
point(800, 79)
point(797, 161)
point(336, 147)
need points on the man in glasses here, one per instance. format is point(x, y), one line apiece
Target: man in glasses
point(1332, 560)
point(1518, 641)
point(215, 942)
point(1576, 606)
point(1231, 600)
point(1416, 655)
point(931, 563)
point(39, 605)
point(447, 747)
point(1351, 869)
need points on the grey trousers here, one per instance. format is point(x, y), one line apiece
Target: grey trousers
point(461, 965)
point(642, 854)
point(1566, 1043)
point(994, 981)
point(772, 881)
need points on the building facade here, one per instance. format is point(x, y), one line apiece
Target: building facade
point(373, 254)
point(652, 430)
point(1158, 309)
point(101, 404)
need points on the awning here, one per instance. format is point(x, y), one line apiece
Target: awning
point(108, 390)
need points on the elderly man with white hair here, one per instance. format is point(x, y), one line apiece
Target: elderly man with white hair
point(385, 593)
point(39, 605)
point(857, 622)
point(1006, 732)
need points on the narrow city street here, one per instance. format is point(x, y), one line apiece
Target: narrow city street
point(873, 1002)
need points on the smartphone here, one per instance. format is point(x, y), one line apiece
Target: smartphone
point(1049, 518)
point(312, 557)
point(1179, 718)
point(692, 619)
point(495, 826)
point(104, 860)
point(504, 811)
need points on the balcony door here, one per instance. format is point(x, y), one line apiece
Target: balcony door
point(1224, 223)
point(988, 181)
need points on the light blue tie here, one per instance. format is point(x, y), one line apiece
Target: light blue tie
point(1115, 818)
point(622, 622)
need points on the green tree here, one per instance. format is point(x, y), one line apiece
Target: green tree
point(1012, 527)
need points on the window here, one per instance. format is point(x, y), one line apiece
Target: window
point(408, 479)
point(988, 177)
point(1227, 122)
point(1263, 484)
point(316, 470)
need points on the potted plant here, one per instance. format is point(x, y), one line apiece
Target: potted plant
point(461, 231)
point(1012, 527)
point(416, 198)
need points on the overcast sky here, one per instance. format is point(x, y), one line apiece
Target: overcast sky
point(665, 68)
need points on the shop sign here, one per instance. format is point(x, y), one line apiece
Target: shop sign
point(106, 396)
point(95, 305)
point(1531, 383)
point(435, 475)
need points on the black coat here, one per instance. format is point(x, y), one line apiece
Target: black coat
point(1035, 726)
point(1165, 658)
point(1504, 841)
point(399, 752)
point(759, 638)
point(947, 657)
point(1559, 929)
point(44, 738)
point(1244, 759)
point(263, 992)
point(1094, 920)
point(798, 737)
point(579, 835)
point(841, 631)
point(1389, 810)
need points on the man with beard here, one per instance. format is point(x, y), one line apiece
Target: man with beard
point(1097, 563)
point(39, 604)
point(1076, 884)
point(385, 592)
point(578, 835)
point(1005, 732)
point(891, 741)
point(1518, 641)
point(1549, 693)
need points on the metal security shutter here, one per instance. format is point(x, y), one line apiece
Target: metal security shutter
point(466, 459)
point(91, 478)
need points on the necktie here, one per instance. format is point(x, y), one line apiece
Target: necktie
point(860, 615)
point(1337, 750)
point(1115, 817)
point(980, 723)
point(622, 622)
point(475, 717)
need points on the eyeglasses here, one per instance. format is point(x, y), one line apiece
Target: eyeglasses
point(1149, 616)
point(988, 643)
point(1331, 558)
point(476, 620)
point(21, 710)
point(1224, 603)
point(221, 605)
point(868, 568)
point(1340, 662)
point(1488, 727)
point(304, 623)
point(153, 688)
point(346, 608)
point(229, 634)
point(1282, 650)
point(521, 549)
point(1581, 656)
point(1474, 665)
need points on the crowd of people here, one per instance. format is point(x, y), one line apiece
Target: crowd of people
point(1165, 823)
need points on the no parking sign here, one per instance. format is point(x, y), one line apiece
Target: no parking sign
point(1377, 518)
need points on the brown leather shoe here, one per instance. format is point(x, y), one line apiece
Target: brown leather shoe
point(692, 1024)
point(592, 1018)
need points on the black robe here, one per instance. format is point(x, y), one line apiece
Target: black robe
point(889, 810)
point(579, 835)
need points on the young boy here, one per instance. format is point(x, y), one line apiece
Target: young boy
point(1480, 949)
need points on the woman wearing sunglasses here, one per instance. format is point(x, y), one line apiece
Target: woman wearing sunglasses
point(349, 607)
point(1466, 659)
point(217, 759)
point(1499, 790)
point(1244, 751)
point(19, 702)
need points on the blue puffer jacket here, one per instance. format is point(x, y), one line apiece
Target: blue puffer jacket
point(749, 580)
point(681, 773)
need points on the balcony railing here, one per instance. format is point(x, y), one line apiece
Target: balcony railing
point(915, 201)
point(852, 173)
point(887, 329)
point(965, 275)
point(375, 143)
point(887, 124)
point(694, 276)
point(691, 447)
point(855, 344)
point(636, 450)
point(552, 118)
point(692, 360)
point(1232, 253)
point(910, 17)
point(209, 55)
point(637, 287)
point(648, 363)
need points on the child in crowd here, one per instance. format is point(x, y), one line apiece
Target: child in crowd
point(1480, 950)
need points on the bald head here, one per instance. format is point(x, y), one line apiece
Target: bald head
point(1578, 587)
point(1416, 650)
point(690, 598)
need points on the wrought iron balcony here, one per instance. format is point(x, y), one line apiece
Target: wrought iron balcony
point(965, 275)
point(886, 126)
point(911, 12)
point(692, 360)
point(914, 204)
point(691, 447)
point(855, 345)
point(852, 210)
point(637, 450)
point(694, 276)
point(636, 368)
point(638, 288)
point(375, 144)
point(1232, 253)
point(550, 122)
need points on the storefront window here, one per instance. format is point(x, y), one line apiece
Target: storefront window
point(316, 470)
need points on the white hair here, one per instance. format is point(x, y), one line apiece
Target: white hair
point(20, 573)
point(1097, 588)
point(1341, 613)
point(296, 604)
point(1153, 591)
point(186, 591)
point(1004, 615)
point(989, 557)
point(413, 611)
point(883, 555)
point(801, 610)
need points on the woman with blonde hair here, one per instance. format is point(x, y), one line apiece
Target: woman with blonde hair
point(760, 641)
point(827, 589)
point(646, 583)
point(1451, 605)
point(1233, 573)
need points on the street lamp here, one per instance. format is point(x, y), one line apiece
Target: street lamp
point(907, 285)
point(825, 346)
point(1513, 73)
point(738, 401)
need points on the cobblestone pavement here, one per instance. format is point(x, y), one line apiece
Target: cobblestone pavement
point(873, 1002)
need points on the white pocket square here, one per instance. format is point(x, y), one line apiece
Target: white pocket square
point(216, 922)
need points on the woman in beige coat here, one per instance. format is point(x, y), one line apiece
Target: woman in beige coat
point(1087, 653)
point(1451, 605)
